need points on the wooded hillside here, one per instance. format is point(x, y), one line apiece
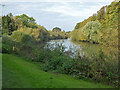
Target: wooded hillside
point(102, 27)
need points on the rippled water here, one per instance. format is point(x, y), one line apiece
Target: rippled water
point(83, 48)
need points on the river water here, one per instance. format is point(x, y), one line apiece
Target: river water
point(83, 48)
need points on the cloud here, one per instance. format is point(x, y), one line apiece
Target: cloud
point(49, 13)
point(76, 10)
point(65, 9)
point(83, 8)
point(57, 0)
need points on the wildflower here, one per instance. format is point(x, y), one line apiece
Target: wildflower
point(73, 75)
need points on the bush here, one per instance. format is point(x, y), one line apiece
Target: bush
point(22, 38)
point(43, 55)
point(61, 64)
point(7, 44)
point(40, 34)
point(95, 67)
point(68, 66)
point(54, 63)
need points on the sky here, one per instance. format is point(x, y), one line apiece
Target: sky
point(55, 13)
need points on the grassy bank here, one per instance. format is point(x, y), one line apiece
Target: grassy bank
point(19, 73)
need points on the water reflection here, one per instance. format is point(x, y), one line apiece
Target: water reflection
point(83, 48)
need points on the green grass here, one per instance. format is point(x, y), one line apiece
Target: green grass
point(0, 63)
point(0, 71)
point(20, 73)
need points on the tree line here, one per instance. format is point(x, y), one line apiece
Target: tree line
point(27, 25)
point(101, 27)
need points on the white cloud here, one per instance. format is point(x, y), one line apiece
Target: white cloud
point(67, 11)
point(77, 11)
point(63, 10)
point(84, 8)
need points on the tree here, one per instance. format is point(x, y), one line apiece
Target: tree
point(56, 29)
point(0, 26)
point(92, 30)
point(8, 24)
point(26, 21)
point(101, 14)
point(40, 34)
point(22, 37)
point(77, 26)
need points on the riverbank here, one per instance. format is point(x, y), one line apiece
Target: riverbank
point(20, 73)
point(82, 48)
point(101, 27)
point(92, 42)
point(99, 68)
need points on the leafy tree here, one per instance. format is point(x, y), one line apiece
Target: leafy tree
point(108, 17)
point(56, 29)
point(8, 24)
point(91, 29)
point(22, 38)
point(101, 14)
point(0, 26)
point(77, 26)
point(7, 44)
point(26, 21)
point(40, 34)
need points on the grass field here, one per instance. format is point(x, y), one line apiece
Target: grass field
point(20, 73)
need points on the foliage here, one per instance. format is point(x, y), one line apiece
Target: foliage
point(92, 29)
point(7, 44)
point(40, 34)
point(23, 38)
point(23, 43)
point(108, 17)
point(56, 29)
point(28, 25)
point(57, 35)
point(59, 64)
point(96, 68)
point(77, 26)
point(68, 34)
point(25, 20)
point(0, 26)
point(78, 35)
point(42, 55)
point(18, 43)
point(17, 72)
point(8, 24)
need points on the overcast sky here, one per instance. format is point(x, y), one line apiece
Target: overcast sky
point(51, 13)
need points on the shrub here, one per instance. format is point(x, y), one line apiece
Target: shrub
point(22, 38)
point(43, 55)
point(68, 66)
point(40, 34)
point(54, 63)
point(7, 44)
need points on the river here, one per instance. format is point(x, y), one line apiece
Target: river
point(83, 48)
